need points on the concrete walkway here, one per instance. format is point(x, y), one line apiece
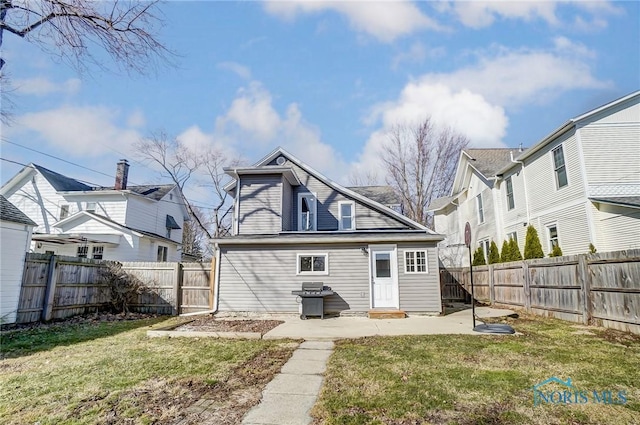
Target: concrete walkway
point(289, 397)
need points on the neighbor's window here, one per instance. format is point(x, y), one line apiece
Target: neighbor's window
point(415, 262)
point(346, 215)
point(511, 204)
point(559, 167)
point(97, 252)
point(306, 212)
point(480, 208)
point(313, 264)
point(90, 207)
point(485, 244)
point(64, 211)
point(82, 251)
point(162, 253)
point(552, 231)
point(512, 235)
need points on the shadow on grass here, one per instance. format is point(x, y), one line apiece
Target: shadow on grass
point(18, 343)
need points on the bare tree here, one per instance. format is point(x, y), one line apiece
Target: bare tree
point(126, 30)
point(363, 178)
point(421, 161)
point(183, 165)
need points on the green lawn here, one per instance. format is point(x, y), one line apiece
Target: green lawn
point(112, 373)
point(469, 379)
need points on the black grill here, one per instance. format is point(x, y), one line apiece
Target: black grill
point(312, 295)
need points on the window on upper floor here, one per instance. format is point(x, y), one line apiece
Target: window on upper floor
point(480, 208)
point(313, 264)
point(97, 252)
point(82, 251)
point(90, 206)
point(307, 217)
point(346, 215)
point(162, 253)
point(415, 261)
point(511, 203)
point(64, 211)
point(560, 167)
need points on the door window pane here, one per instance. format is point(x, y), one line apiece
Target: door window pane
point(383, 265)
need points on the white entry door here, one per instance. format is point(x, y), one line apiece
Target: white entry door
point(384, 276)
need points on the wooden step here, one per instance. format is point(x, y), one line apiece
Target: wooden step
point(387, 314)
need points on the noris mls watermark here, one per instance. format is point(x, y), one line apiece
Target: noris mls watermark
point(570, 395)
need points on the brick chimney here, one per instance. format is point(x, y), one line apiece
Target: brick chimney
point(122, 173)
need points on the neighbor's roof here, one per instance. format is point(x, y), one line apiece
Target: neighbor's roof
point(490, 161)
point(62, 183)
point(626, 201)
point(439, 203)
point(384, 195)
point(9, 212)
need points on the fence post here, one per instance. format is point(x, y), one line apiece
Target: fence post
point(50, 290)
point(527, 286)
point(584, 278)
point(492, 296)
point(177, 289)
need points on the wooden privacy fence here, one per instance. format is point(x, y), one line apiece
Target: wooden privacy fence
point(55, 287)
point(601, 289)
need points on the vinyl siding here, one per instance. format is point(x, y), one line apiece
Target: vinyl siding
point(15, 239)
point(287, 206)
point(260, 279)
point(260, 205)
point(573, 229)
point(541, 179)
point(327, 207)
point(151, 216)
point(419, 292)
point(518, 214)
point(612, 153)
point(617, 227)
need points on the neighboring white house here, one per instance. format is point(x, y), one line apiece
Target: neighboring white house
point(123, 223)
point(580, 185)
point(15, 239)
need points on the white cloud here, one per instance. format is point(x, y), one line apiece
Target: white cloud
point(238, 69)
point(42, 86)
point(515, 77)
point(136, 119)
point(383, 20)
point(417, 53)
point(80, 131)
point(479, 14)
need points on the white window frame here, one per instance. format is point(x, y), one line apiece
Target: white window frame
point(312, 272)
point(97, 250)
point(313, 205)
point(90, 207)
point(508, 187)
point(411, 255)
point(486, 246)
point(165, 251)
point(64, 211)
point(82, 251)
point(353, 215)
point(562, 167)
point(514, 234)
point(548, 227)
point(480, 208)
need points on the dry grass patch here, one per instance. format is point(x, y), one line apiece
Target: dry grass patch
point(111, 373)
point(481, 379)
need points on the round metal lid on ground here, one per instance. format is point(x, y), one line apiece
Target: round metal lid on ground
point(494, 328)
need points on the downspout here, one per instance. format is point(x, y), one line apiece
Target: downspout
point(524, 181)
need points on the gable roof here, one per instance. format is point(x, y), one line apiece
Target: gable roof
point(9, 212)
point(382, 194)
point(570, 124)
point(61, 183)
point(489, 161)
point(337, 187)
point(625, 201)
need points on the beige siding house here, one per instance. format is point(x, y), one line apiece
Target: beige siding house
point(294, 225)
point(580, 185)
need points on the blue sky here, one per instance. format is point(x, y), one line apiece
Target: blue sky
point(326, 80)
